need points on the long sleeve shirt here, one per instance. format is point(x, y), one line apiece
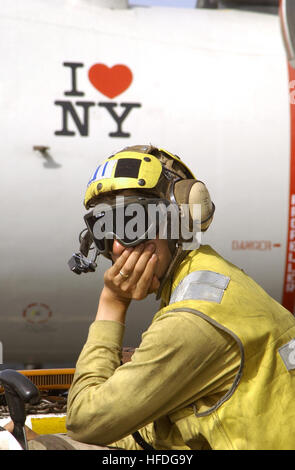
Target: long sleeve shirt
point(182, 360)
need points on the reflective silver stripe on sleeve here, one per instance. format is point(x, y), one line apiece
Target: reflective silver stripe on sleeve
point(201, 285)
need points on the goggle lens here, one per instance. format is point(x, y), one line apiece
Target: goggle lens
point(131, 222)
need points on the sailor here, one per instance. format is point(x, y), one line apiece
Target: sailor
point(216, 367)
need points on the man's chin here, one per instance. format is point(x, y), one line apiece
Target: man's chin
point(155, 285)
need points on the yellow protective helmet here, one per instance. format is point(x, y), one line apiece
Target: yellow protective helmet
point(151, 171)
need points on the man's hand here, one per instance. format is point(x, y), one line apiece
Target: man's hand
point(132, 276)
point(136, 281)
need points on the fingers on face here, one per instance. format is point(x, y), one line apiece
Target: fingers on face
point(139, 263)
point(134, 263)
point(146, 278)
point(118, 264)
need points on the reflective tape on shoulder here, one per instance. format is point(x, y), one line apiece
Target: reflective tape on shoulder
point(201, 285)
point(287, 353)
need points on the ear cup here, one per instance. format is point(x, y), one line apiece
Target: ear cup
point(193, 192)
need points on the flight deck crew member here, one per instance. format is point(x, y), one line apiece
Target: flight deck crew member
point(215, 369)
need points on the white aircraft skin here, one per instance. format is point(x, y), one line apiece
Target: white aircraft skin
point(208, 85)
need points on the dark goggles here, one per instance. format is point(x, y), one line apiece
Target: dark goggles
point(131, 220)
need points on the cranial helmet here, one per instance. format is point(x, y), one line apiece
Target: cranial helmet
point(151, 174)
point(151, 171)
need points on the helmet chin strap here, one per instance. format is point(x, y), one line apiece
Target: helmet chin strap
point(177, 257)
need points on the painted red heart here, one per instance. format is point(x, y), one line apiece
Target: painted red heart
point(110, 81)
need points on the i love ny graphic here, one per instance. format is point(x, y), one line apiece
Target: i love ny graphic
point(108, 81)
